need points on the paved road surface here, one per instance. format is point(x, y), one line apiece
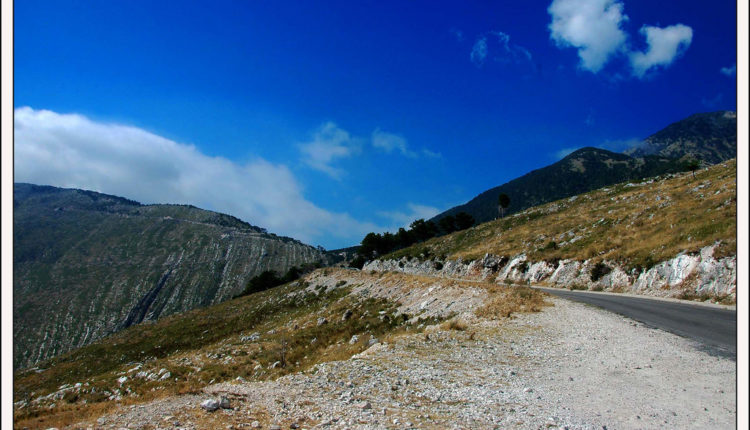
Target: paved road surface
point(714, 328)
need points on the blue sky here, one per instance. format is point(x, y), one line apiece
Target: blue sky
point(326, 121)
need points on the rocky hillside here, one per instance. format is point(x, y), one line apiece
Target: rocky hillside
point(88, 264)
point(672, 235)
point(710, 137)
point(329, 315)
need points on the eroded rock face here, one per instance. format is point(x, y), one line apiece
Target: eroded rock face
point(88, 264)
point(698, 274)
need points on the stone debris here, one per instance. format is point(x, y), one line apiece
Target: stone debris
point(210, 405)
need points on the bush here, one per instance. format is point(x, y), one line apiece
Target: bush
point(358, 262)
point(599, 270)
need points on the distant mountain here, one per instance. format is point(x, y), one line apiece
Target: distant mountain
point(711, 137)
point(88, 264)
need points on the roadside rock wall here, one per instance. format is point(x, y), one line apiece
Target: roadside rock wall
point(684, 275)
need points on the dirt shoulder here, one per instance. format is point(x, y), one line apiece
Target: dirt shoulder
point(569, 366)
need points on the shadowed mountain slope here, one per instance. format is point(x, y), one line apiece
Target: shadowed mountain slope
point(88, 264)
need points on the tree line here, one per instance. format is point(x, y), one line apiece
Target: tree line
point(377, 244)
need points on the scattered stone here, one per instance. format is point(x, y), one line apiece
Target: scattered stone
point(275, 364)
point(224, 403)
point(210, 405)
point(347, 315)
point(353, 340)
point(372, 341)
point(322, 321)
point(255, 425)
point(365, 406)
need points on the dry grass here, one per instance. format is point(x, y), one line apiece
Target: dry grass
point(637, 224)
point(505, 301)
point(288, 329)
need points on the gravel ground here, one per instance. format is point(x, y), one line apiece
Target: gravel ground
point(569, 366)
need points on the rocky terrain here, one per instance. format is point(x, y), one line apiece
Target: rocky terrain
point(684, 276)
point(88, 264)
point(709, 137)
point(672, 236)
point(568, 366)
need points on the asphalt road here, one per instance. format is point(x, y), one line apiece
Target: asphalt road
point(714, 328)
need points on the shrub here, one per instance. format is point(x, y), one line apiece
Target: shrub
point(599, 270)
point(438, 265)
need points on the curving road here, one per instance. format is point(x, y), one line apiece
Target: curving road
point(715, 328)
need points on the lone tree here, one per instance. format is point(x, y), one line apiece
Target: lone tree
point(503, 201)
point(692, 164)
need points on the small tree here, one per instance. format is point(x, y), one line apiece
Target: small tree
point(692, 164)
point(503, 201)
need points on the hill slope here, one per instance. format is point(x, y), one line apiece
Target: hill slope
point(674, 235)
point(88, 264)
point(711, 137)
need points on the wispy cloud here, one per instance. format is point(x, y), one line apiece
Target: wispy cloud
point(458, 34)
point(70, 150)
point(621, 145)
point(497, 46)
point(389, 142)
point(562, 153)
point(729, 71)
point(664, 46)
point(413, 212)
point(479, 51)
point(595, 29)
point(329, 143)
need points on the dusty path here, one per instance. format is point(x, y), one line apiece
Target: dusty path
point(570, 366)
point(714, 327)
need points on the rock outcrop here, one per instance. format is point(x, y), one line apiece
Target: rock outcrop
point(685, 275)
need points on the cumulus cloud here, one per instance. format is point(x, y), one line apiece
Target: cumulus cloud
point(413, 212)
point(479, 51)
point(594, 28)
point(390, 142)
point(69, 150)
point(591, 26)
point(664, 46)
point(729, 71)
point(329, 143)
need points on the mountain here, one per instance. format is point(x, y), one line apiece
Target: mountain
point(711, 137)
point(88, 264)
point(583, 170)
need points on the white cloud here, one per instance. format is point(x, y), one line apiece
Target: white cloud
point(664, 46)
point(510, 51)
point(591, 26)
point(329, 143)
point(69, 150)
point(729, 71)
point(621, 145)
point(414, 212)
point(594, 27)
point(389, 142)
point(479, 51)
point(431, 154)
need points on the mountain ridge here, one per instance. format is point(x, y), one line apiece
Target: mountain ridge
point(88, 264)
point(710, 137)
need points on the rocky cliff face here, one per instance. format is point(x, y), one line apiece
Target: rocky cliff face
point(87, 264)
point(684, 276)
